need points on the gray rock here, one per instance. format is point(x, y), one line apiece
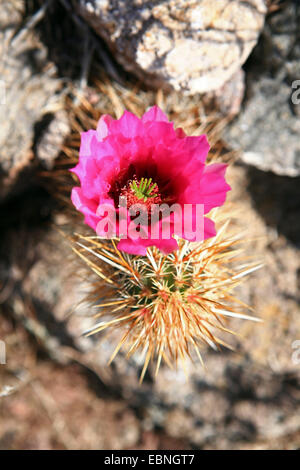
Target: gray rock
point(29, 91)
point(268, 128)
point(190, 46)
point(246, 398)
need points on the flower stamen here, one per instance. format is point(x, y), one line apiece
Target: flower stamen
point(143, 190)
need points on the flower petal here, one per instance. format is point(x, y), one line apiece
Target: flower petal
point(103, 126)
point(148, 147)
point(86, 206)
point(134, 247)
point(128, 125)
point(155, 114)
point(213, 187)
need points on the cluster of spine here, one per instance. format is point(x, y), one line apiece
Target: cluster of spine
point(167, 306)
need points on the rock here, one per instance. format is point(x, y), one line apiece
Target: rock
point(190, 46)
point(228, 99)
point(51, 140)
point(243, 398)
point(29, 91)
point(268, 128)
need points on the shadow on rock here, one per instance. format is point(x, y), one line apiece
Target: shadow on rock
point(277, 199)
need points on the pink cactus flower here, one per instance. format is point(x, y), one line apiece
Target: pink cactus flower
point(147, 162)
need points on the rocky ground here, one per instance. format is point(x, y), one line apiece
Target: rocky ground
point(56, 390)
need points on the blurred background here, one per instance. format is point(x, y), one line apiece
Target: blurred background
point(229, 68)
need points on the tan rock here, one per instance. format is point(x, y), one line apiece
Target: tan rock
point(190, 45)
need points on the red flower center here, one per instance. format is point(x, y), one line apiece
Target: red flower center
point(142, 191)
